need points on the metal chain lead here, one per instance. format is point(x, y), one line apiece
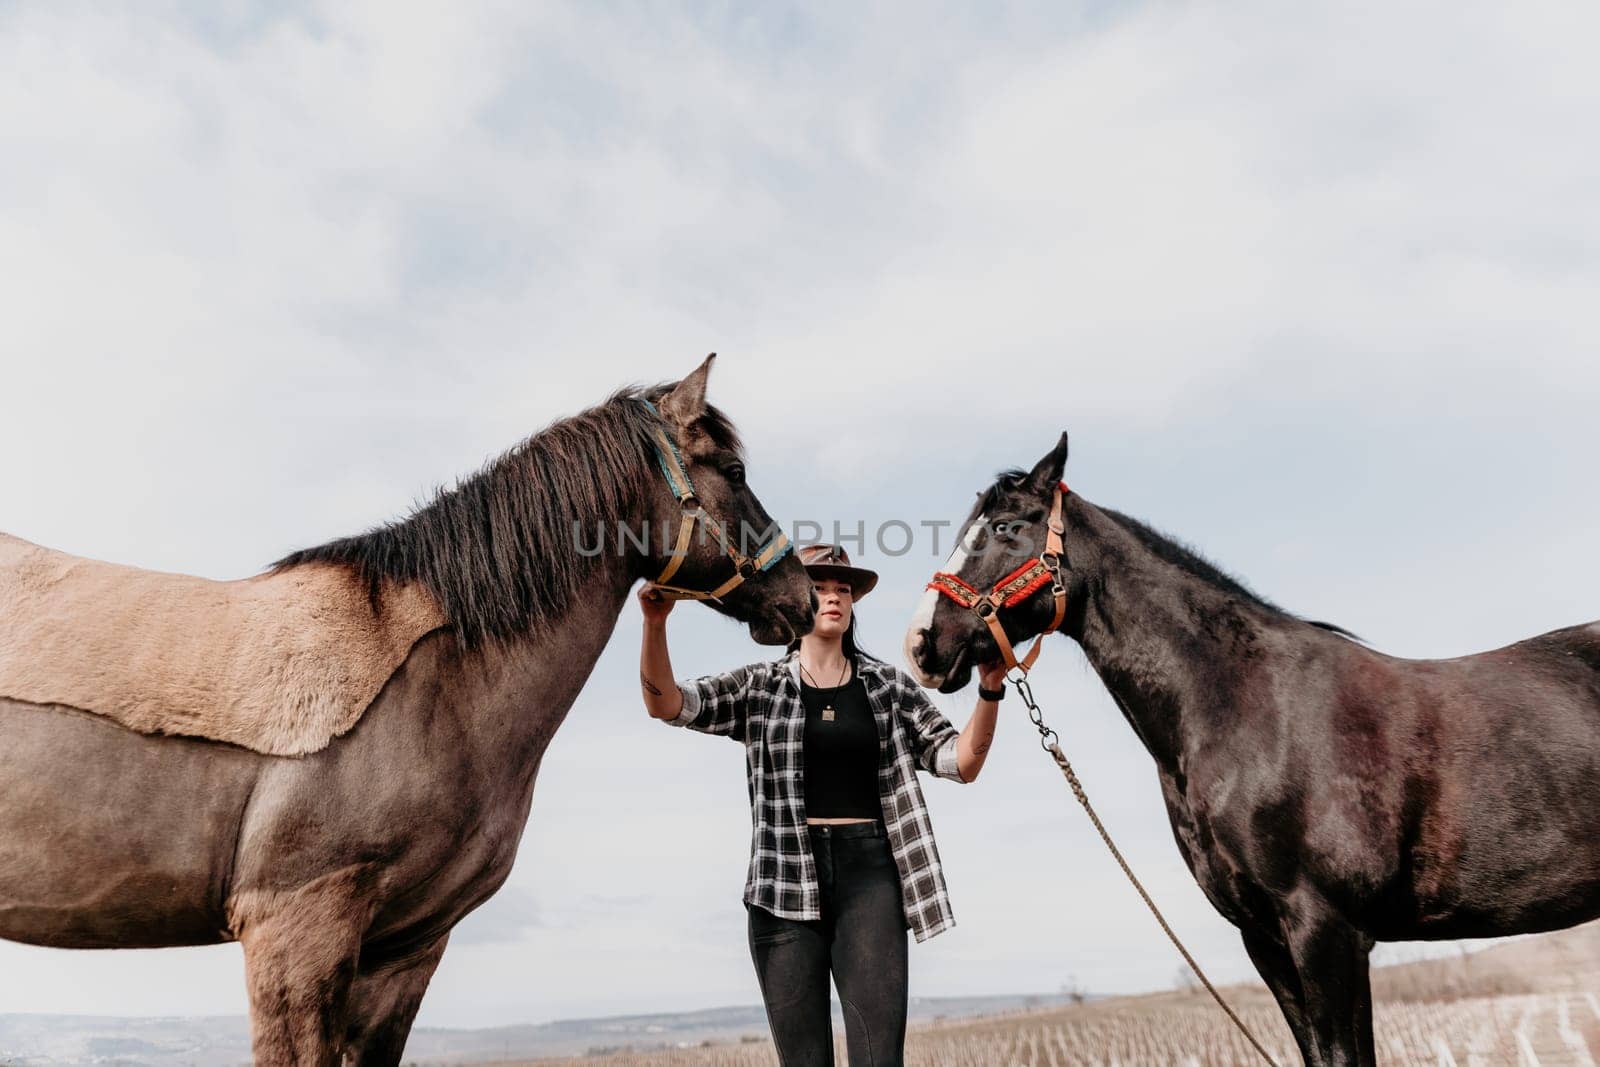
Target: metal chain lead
point(1050, 742)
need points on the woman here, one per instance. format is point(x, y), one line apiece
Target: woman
point(842, 858)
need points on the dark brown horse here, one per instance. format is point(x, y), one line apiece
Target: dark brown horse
point(342, 871)
point(1324, 795)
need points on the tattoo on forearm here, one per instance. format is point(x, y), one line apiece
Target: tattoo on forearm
point(981, 747)
point(648, 685)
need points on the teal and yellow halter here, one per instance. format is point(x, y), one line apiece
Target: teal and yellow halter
point(744, 567)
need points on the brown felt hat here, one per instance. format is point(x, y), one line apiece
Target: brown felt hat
point(832, 561)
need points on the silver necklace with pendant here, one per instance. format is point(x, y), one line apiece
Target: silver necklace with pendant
point(827, 707)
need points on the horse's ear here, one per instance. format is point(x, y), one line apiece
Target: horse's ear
point(1047, 472)
point(687, 400)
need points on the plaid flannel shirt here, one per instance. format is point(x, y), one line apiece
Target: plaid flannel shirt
point(759, 705)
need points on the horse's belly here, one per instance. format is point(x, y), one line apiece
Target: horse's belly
point(110, 838)
point(1493, 864)
point(1494, 901)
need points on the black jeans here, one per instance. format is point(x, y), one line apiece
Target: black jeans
point(861, 938)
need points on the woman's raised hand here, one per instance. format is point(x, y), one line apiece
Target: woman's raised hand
point(655, 607)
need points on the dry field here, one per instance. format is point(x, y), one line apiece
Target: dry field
point(1525, 1003)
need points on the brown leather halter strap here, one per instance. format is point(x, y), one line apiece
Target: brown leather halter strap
point(1017, 587)
point(744, 567)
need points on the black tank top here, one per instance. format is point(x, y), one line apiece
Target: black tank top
point(841, 753)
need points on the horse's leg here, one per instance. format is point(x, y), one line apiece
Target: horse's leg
point(1368, 1047)
point(1331, 957)
point(300, 950)
point(383, 1003)
point(1276, 967)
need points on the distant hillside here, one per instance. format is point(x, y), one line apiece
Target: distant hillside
point(1560, 962)
point(1563, 961)
point(37, 1040)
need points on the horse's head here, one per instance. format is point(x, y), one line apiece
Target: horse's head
point(1006, 529)
point(720, 545)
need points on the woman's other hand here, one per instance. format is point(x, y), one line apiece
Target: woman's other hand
point(992, 675)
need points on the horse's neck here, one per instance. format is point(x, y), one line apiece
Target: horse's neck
point(1151, 630)
point(518, 693)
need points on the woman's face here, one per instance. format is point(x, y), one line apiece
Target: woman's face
point(834, 604)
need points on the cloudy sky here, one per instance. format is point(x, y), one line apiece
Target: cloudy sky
point(1312, 286)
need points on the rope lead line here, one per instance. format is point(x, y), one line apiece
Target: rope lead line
point(1049, 741)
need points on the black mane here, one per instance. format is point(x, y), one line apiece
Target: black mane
point(1161, 546)
point(1005, 482)
point(1186, 559)
point(1191, 562)
point(496, 550)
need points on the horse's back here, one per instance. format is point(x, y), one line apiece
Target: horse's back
point(110, 838)
point(1578, 645)
point(280, 663)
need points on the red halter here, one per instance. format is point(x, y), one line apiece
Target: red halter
point(1015, 588)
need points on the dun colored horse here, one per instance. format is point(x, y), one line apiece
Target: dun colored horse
point(1324, 795)
point(342, 870)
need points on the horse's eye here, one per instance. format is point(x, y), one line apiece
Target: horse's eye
point(735, 474)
